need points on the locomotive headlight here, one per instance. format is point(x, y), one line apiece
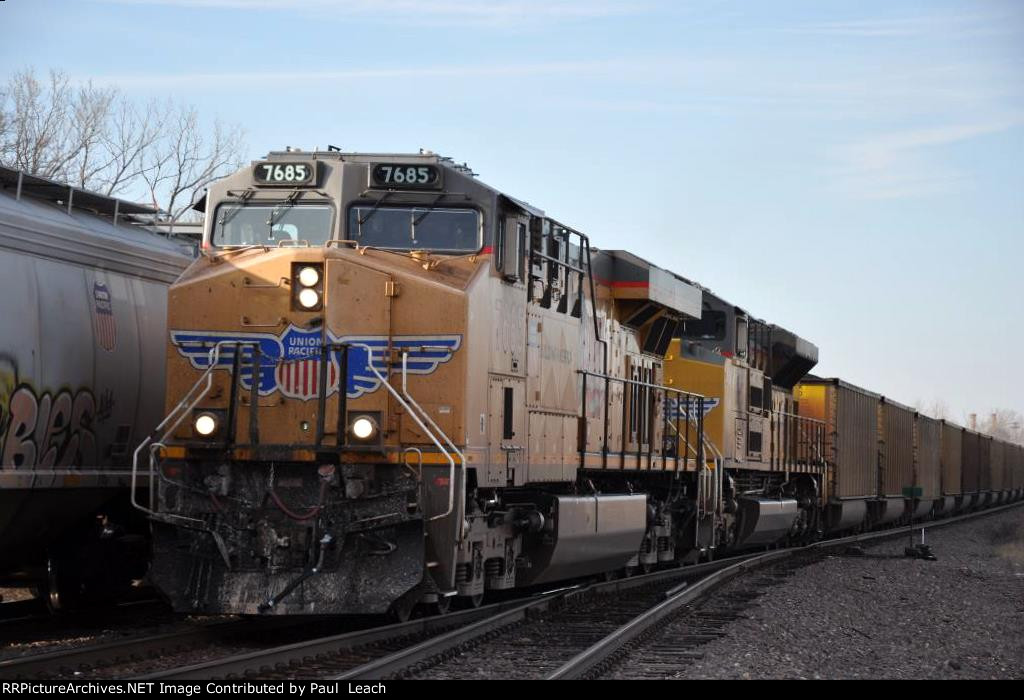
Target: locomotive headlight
point(309, 276)
point(364, 428)
point(205, 424)
point(307, 282)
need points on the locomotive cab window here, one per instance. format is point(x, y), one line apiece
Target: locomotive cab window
point(454, 231)
point(272, 224)
point(710, 326)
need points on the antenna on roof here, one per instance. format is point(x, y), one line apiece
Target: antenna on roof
point(464, 169)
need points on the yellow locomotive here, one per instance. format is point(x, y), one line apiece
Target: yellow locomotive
point(390, 384)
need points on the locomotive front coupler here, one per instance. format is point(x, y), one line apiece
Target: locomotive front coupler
point(323, 544)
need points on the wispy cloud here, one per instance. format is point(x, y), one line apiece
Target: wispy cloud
point(902, 27)
point(483, 12)
point(903, 164)
point(301, 78)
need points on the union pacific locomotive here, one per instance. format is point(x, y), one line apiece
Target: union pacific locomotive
point(391, 385)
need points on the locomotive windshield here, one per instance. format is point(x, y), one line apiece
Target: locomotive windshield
point(436, 230)
point(271, 224)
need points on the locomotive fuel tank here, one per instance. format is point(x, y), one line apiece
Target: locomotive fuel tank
point(588, 535)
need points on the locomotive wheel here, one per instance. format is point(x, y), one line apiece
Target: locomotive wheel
point(443, 605)
point(471, 601)
point(399, 613)
point(63, 589)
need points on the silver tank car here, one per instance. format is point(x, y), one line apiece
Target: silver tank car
point(83, 298)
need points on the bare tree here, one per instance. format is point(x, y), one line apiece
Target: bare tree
point(5, 122)
point(937, 409)
point(85, 157)
point(183, 161)
point(1005, 424)
point(130, 134)
point(38, 122)
point(97, 139)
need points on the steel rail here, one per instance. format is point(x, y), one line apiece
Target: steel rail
point(107, 653)
point(35, 620)
point(17, 610)
point(589, 659)
point(406, 658)
point(469, 624)
point(253, 662)
point(478, 623)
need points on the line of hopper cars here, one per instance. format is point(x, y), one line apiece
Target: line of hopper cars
point(889, 462)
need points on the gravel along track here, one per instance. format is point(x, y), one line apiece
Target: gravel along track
point(137, 655)
point(542, 643)
point(881, 615)
point(42, 632)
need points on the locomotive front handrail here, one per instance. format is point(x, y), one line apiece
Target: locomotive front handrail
point(405, 461)
point(177, 414)
point(437, 428)
point(411, 400)
point(433, 438)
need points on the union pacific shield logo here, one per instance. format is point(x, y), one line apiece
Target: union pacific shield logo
point(688, 408)
point(103, 313)
point(298, 373)
point(301, 379)
point(292, 362)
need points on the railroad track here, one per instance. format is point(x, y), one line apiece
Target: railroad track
point(551, 635)
point(20, 609)
point(387, 651)
point(707, 621)
point(31, 622)
point(556, 636)
point(98, 659)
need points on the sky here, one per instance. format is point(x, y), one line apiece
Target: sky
point(852, 170)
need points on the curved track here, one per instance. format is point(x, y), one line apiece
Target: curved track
point(592, 660)
point(572, 632)
point(386, 651)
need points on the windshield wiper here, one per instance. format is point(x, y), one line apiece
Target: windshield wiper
point(430, 208)
point(288, 204)
point(245, 196)
point(373, 210)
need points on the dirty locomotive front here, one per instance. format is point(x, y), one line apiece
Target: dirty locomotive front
point(391, 385)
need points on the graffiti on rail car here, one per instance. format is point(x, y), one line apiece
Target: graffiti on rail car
point(47, 429)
